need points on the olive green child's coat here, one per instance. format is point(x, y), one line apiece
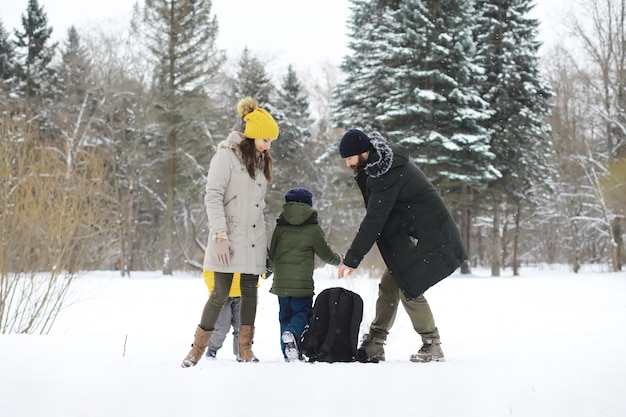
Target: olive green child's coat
point(296, 240)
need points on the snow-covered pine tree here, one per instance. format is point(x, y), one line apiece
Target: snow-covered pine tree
point(293, 120)
point(290, 109)
point(253, 80)
point(366, 78)
point(519, 97)
point(75, 108)
point(517, 93)
point(292, 115)
point(75, 71)
point(7, 68)
point(412, 75)
point(293, 99)
point(34, 54)
point(433, 105)
point(77, 101)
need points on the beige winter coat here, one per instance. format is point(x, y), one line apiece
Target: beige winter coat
point(234, 203)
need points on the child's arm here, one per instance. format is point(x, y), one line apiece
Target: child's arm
point(323, 250)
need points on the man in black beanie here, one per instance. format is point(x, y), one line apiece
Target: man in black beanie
point(416, 235)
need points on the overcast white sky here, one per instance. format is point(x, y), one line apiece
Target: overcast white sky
point(304, 33)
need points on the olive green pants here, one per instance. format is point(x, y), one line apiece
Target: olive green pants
point(419, 312)
point(219, 295)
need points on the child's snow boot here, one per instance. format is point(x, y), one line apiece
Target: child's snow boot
point(291, 348)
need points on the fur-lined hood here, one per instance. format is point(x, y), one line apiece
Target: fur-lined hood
point(232, 142)
point(385, 156)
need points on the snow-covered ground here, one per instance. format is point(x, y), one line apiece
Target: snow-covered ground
point(547, 343)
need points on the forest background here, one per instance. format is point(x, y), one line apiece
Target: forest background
point(106, 136)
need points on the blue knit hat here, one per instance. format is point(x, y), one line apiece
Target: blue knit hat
point(299, 195)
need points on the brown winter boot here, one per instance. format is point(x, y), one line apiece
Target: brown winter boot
point(200, 343)
point(430, 351)
point(372, 349)
point(246, 336)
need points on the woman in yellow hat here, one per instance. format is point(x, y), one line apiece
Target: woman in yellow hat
point(239, 174)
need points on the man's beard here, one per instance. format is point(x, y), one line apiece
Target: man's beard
point(360, 165)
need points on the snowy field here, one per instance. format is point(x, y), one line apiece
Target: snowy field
point(545, 344)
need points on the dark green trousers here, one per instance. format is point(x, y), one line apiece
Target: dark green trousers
point(389, 296)
point(219, 295)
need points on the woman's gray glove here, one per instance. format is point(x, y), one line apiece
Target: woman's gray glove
point(222, 248)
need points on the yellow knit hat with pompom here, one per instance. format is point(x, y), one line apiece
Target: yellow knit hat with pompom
point(259, 123)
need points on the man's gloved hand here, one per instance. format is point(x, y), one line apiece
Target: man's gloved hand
point(222, 248)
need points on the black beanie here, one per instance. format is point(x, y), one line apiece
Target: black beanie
point(354, 142)
point(299, 195)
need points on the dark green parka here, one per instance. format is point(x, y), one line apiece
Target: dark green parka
point(416, 235)
point(296, 240)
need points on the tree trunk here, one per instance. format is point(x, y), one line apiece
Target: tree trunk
point(495, 241)
point(516, 241)
point(169, 211)
point(466, 226)
point(618, 246)
point(576, 260)
point(504, 237)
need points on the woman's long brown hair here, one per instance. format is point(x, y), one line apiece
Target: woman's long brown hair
point(254, 162)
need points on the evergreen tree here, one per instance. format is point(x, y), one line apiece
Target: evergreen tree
point(291, 152)
point(519, 97)
point(517, 94)
point(366, 79)
point(433, 105)
point(180, 36)
point(7, 65)
point(253, 80)
point(412, 75)
point(75, 104)
point(249, 78)
point(34, 54)
point(293, 99)
point(293, 119)
point(75, 71)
